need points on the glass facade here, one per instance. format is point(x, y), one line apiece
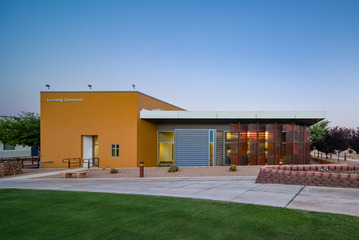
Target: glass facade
point(244, 144)
point(260, 144)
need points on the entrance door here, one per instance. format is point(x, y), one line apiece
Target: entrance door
point(90, 150)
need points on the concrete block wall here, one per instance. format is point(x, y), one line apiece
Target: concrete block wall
point(308, 175)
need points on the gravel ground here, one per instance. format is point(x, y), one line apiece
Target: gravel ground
point(163, 172)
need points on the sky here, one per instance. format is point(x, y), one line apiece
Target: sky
point(243, 55)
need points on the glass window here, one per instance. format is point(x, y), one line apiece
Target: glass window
point(95, 139)
point(211, 149)
point(166, 137)
point(9, 147)
point(94, 146)
point(227, 148)
point(211, 136)
point(228, 137)
point(165, 147)
point(115, 150)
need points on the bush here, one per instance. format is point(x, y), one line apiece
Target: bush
point(350, 150)
point(173, 168)
point(233, 168)
point(113, 170)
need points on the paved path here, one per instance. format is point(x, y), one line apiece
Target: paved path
point(348, 159)
point(233, 189)
point(334, 159)
point(45, 174)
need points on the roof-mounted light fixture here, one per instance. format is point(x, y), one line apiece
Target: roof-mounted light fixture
point(48, 86)
point(90, 86)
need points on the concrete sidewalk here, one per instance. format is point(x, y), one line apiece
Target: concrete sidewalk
point(334, 160)
point(232, 189)
point(45, 174)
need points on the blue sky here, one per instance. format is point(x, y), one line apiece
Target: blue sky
point(199, 55)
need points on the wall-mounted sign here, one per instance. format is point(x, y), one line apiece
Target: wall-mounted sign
point(65, 100)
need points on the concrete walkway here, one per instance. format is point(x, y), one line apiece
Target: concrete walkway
point(45, 174)
point(232, 189)
point(342, 159)
point(334, 159)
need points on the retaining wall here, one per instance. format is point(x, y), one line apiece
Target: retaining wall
point(10, 168)
point(307, 175)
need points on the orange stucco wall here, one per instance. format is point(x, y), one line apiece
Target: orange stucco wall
point(113, 116)
point(147, 130)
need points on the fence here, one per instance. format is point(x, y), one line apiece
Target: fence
point(26, 162)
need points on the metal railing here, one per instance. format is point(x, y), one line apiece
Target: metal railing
point(26, 162)
point(72, 162)
point(92, 162)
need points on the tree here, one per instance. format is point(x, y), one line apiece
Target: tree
point(317, 131)
point(325, 144)
point(340, 138)
point(23, 129)
point(354, 141)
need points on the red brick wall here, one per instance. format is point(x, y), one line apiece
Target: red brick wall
point(307, 175)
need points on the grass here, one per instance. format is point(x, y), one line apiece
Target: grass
point(41, 214)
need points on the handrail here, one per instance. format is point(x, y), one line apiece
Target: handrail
point(74, 162)
point(95, 161)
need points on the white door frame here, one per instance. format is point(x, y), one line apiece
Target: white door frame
point(87, 149)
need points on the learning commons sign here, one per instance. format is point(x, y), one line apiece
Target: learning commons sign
point(65, 100)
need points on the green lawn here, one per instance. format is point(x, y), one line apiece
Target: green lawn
point(37, 214)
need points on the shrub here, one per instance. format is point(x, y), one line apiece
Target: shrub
point(113, 170)
point(173, 168)
point(350, 150)
point(233, 168)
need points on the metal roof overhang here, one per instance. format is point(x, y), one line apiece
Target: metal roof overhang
point(297, 117)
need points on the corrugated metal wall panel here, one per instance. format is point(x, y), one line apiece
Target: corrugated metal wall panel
point(191, 147)
point(219, 148)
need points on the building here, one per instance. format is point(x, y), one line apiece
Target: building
point(10, 151)
point(122, 129)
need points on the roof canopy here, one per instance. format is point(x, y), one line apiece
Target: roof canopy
point(299, 117)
